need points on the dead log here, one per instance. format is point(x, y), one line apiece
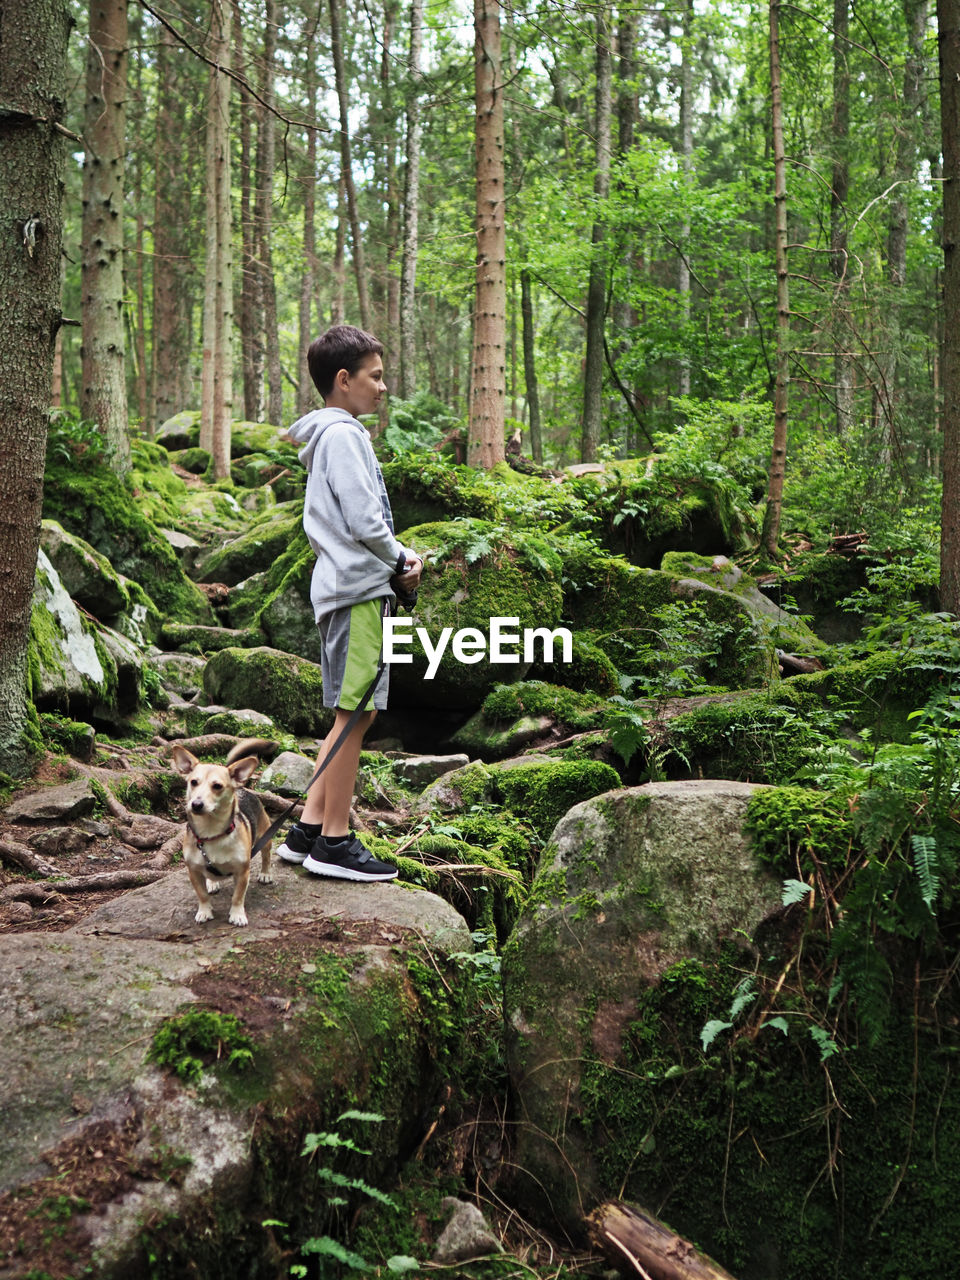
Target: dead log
point(638, 1244)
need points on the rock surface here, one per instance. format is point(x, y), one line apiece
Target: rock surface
point(319, 980)
point(631, 883)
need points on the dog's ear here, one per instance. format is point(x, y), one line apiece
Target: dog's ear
point(183, 761)
point(241, 770)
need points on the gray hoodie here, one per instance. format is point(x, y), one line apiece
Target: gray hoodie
point(346, 512)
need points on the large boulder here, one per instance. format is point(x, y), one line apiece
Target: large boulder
point(75, 665)
point(164, 1074)
point(631, 884)
point(674, 630)
point(286, 688)
point(116, 519)
point(255, 548)
point(92, 582)
point(475, 571)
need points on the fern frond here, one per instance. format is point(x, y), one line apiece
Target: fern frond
point(926, 863)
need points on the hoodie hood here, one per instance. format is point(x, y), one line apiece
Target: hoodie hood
point(306, 431)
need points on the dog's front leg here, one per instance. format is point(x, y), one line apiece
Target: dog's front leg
point(199, 882)
point(240, 881)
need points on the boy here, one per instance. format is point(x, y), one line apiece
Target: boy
point(347, 520)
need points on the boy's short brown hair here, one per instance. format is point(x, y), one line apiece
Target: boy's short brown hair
point(342, 347)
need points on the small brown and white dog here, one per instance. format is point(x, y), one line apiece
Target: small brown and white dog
point(223, 822)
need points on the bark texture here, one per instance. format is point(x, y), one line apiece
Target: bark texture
point(948, 24)
point(411, 211)
point(31, 162)
point(597, 291)
point(104, 384)
point(778, 455)
point(485, 446)
point(217, 391)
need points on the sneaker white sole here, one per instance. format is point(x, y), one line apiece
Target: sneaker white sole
point(336, 872)
point(291, 855)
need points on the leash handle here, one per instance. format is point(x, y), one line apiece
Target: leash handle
point(342, 737)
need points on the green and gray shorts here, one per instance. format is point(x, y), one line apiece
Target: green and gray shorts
point(352, 644)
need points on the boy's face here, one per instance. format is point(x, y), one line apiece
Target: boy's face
point(362, 390)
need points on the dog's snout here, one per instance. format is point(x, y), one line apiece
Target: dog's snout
point(197, 805)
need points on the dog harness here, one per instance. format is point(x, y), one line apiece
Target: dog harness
point(211, 867)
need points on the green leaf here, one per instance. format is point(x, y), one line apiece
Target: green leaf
point(794, 891)
point(368, 1117)
point(399, 1264)
point(745, 994)
point(330, 1248)
point(926, 862)
point(780, 1024)
point(710, 1032)
point(824, 1042)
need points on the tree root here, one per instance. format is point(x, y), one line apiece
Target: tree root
point(38, 894)
point(24, 859)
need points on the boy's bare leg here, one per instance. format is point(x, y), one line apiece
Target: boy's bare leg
point(329, 799)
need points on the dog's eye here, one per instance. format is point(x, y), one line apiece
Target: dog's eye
point(194, 782)
point(216, 786)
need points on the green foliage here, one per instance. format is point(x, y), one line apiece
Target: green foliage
point(75, 442)
point(199, 1038)
point(417, 425)
point(340, 1187)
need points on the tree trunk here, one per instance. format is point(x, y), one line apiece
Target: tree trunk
point(840, 186)
point(905, 172)
point(771, 523)
point(251, 303)
point(636, 1243)
point(596, 291)
point(171, 257)
point(948, 27)
point(485, 446)
point(217, 399)
point(338, 301)
point(31, 176)
point(686, 161)
point(411, 211)
point(530, 368)
point(308, 279)
point(346, 164)
point(104, 383)
point(263, 217)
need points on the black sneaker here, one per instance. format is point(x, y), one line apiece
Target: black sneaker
point(296, 846)
point(346, 860)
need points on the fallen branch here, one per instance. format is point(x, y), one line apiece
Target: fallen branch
point(632, 1238)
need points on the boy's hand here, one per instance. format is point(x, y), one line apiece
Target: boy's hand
point(409, 580)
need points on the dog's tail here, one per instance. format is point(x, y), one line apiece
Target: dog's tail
point(262, 747)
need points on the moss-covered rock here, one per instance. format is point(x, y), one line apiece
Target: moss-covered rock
point(475, 571)
point(74, 665)
point(284, 687)
point(423, 489)
point(93, 504)
point(631, 883)
point(254, 550)
point(670, 631)
point(514, 715)
point(642, 507)
point(538, 788)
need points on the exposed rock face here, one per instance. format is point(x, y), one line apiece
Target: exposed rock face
point(76, 665)
point(336, 1021)
point(631, 883)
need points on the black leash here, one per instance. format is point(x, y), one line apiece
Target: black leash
point(344, 734)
